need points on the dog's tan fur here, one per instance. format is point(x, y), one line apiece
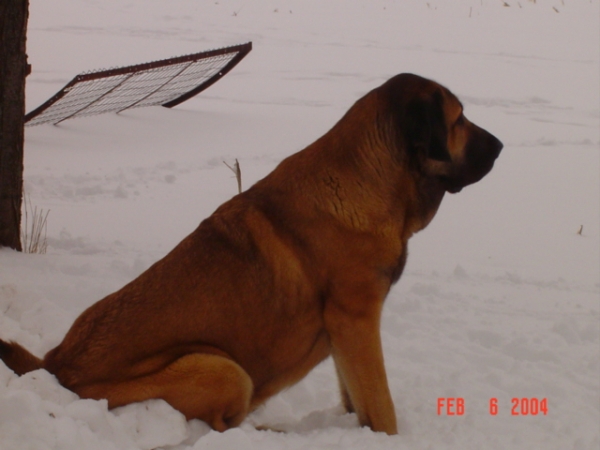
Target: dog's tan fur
point(283, 275)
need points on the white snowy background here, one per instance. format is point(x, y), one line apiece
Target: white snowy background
point(500, 297)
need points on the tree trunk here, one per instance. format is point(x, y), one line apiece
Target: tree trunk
point(13, 70)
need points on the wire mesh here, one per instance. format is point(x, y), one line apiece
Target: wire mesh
point(167, 83)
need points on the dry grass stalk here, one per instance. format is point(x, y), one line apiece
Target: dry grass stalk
point(238, 173)
point(33, 235)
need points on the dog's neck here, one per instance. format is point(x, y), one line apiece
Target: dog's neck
point(364, 180)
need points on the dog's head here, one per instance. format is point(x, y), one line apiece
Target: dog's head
point(438, 139)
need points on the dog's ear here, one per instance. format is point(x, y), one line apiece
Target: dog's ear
point(425, 128)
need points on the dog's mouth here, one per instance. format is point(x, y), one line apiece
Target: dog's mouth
point(454, 185)
point(476, 166)
point(454, 189)
point(450, 185)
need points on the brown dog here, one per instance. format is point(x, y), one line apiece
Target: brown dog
point(285, 274)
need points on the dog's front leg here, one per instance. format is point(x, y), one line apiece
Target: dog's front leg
point(346, 401)
point(358, 357)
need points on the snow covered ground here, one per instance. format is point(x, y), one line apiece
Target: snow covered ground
point(500, 297)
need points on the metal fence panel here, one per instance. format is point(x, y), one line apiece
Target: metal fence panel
point(167, 82)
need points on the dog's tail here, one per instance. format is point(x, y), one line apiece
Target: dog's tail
point(18, 359)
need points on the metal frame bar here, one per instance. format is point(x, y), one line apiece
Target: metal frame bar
point(212, 80)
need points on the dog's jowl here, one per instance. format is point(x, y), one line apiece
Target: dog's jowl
point(285, 274)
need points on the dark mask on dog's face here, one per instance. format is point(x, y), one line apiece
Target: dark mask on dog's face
point(440, 140)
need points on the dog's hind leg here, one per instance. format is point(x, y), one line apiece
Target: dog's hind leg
point(201, 386)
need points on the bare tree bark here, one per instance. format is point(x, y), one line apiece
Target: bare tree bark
point(13, 70)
